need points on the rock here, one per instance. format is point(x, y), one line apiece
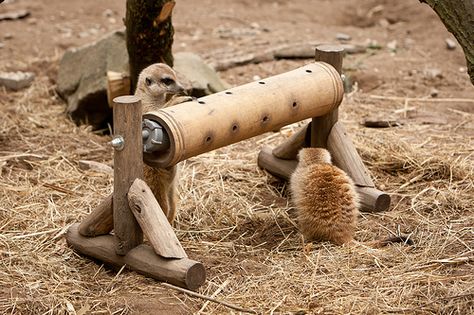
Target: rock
point(82, 79)
point(202, 78)
point(392, 45)
point(434, 92)
point(432, 73)
point(343, 37)
point(450, 44)
point(14, 15)
point(16, 80)
point(300, 51)
point(8, 36)
point(354, 49)
point(2, 45)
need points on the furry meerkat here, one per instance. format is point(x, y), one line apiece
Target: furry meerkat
point(327, 202)
point(157, 87)
point(325, 198)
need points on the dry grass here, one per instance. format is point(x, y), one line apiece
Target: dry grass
point(238, 221)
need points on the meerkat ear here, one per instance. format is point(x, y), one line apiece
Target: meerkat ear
point(148, 81)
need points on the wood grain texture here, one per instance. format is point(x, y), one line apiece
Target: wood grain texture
point(128, 165)
point(149, 34)
point(371, 199)
point(182, 272)
point(245, 111)
point(100, 221)
point(153, 221)
point(321, 126)
point(288, 150)
point(345, 156)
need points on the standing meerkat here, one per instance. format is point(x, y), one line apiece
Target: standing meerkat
point(327, 202)
point(156, 85)
point(325, 198)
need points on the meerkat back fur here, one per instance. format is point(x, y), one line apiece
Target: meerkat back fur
point(156, 85)
point(325, 198)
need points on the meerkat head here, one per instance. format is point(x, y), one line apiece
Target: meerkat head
point(309, 156)
point(158, 82)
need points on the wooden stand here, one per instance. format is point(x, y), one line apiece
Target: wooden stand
point(313, 91)
point(326, 132)
point(131, 211)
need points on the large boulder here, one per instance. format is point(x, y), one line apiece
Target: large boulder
point(201, 78)
point(82, 79)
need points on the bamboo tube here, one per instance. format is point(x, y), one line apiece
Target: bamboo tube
point(240, 113)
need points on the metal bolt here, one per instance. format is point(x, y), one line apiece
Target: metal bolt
point(117, 143)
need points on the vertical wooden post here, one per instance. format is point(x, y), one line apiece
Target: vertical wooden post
point(128, 165)
point(321, 126)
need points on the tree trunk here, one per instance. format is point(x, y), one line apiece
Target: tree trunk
point(149, 34)
point(458, 17)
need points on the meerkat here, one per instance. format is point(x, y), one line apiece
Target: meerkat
point(325, 198)
point(327, 202)
point(157, 85)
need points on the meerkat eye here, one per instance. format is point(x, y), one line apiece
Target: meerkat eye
point(148, 81)
point(167, 81)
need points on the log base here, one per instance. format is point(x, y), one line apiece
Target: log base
point(181, 272)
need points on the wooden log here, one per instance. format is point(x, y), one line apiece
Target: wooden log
point(100, 221)
point(345, 156)
point(153, 221)
point(118, 84)
point(242, 112)
point(289, 149)
point(182, 272)
point(371, 199)
point(128, 165)
point(321, 126)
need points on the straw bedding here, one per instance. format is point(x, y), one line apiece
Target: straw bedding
point(239, 222)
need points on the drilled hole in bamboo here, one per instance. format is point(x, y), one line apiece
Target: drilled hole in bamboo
point(294, 104)
point(261, 82)
point(201, 102)
point(228, 92)
point(309, 71)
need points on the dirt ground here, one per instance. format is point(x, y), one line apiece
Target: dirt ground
point(234, 217)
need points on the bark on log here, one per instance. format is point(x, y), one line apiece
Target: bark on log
point(100, 221)
point(182, 272)
point(321, 126)
point(458, 17)
point(128, 165)
point(289, 149)
point(153, 221)
point(149, 34)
